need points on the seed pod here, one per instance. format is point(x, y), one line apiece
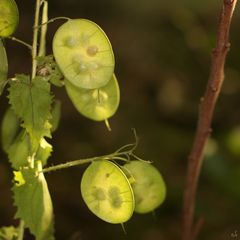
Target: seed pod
point(107, 192)
point(3, 66)
point(96, 104)
point(9, 17)
point(148, 186)
point(84, 54)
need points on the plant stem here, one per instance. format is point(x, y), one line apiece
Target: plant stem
point(206, 109)
point(123, 153)
point(70, 164)
point(21, 42)
point(83, 161)
point(53, 20)
point(108, 125)
point(117, 155)
point(42, 44)
point(35, 39)
point(21, 230)
point(34, 60)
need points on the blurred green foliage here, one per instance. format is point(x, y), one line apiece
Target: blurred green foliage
point(163, 52)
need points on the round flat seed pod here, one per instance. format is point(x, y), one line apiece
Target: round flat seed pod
point(9, 17)
point(3, 66)
point(96, 104)
point(107, 192)
point(148, 186)
point(83, 53)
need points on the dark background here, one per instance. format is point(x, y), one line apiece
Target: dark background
point(162, 51)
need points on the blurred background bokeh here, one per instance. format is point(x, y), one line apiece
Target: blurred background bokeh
point(163, 52)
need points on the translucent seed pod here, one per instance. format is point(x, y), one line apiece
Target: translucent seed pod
point(96, 104)
point(84, 53)
point(148, 186)
point(9, 17)
point(107, 192)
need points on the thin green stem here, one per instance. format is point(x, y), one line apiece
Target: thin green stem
point(113, 156)
point(130, 146)
point(71, 164)
point(123, 228)
point(120, 158)
point(123, 154)
point(108, 125)
point(21, 230)
point(42, 44)
point(31, 160)
point(34, 59)
point(35, 39)
point(21, 42)
point(51, 21)
point(140, 159)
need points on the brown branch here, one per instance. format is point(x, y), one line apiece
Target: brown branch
point(206, 109)
point(198, 226)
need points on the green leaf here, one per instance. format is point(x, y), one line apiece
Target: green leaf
point(34, 205)
point(32, 101)
point(9, 128)
point(8, 233)
point(56, 114)
point(3, 66)
point(19, 151)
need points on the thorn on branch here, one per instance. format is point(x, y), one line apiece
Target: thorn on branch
point(213, 88)
point(215, 51)
point(227, 45)
point(209, 131)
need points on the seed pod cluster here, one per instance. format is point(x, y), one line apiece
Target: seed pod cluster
point(85, 56)
point(113, 193)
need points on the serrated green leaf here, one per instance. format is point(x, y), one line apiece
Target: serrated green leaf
point(9, 128)
point(3, 66)
point(8, 233)
point(32, 101)
point(34, 205)
point(56, 114)
point(19, 151)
